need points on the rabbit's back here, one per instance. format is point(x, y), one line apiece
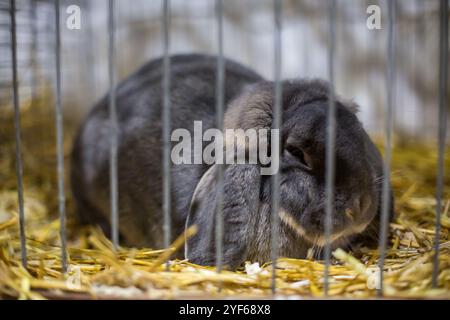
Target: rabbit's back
point(139, 102)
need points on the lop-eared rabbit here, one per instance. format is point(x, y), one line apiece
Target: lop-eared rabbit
point(246, 193)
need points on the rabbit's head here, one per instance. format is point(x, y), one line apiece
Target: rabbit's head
point(302, 168)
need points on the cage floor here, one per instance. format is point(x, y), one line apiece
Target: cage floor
point(97, 271)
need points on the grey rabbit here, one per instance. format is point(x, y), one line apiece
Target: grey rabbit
point(246, 193)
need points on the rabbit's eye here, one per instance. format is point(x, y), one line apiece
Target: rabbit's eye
point(301, 156)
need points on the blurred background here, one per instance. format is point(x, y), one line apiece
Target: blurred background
point(248, 38)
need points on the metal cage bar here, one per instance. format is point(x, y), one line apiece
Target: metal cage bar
point(166, 126)
point(113, 168)
point(220, 81)
point(33, 50)
point(18, 138)
point(390, 96)
point(276, 124)
point(442, 130)
point(330, 145)
point(60, 140)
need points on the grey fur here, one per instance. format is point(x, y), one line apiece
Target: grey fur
point(246, 193)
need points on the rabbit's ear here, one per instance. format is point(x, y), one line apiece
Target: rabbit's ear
point(240, 195)
point(241, 186)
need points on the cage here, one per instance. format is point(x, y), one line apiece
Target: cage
point(59, 57)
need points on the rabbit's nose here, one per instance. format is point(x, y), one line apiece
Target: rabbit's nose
point(365, 203)
point(353, 211)
point(350, 214)
point(357, 207)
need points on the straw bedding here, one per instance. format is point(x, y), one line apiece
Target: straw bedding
point(97, 271)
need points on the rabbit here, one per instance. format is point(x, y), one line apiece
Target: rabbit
point(248, 103)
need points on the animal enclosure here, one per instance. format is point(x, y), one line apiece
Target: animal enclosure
point(53, 70)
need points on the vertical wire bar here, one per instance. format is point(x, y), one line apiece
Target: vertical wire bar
point(390, 89)
point(220, 79)
point(33, 51)
point(275, 180)
point(330, 145)
point(113, 126)
point(60, 141)
point(166, 126)
point(443, 77)
point(17, 127)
